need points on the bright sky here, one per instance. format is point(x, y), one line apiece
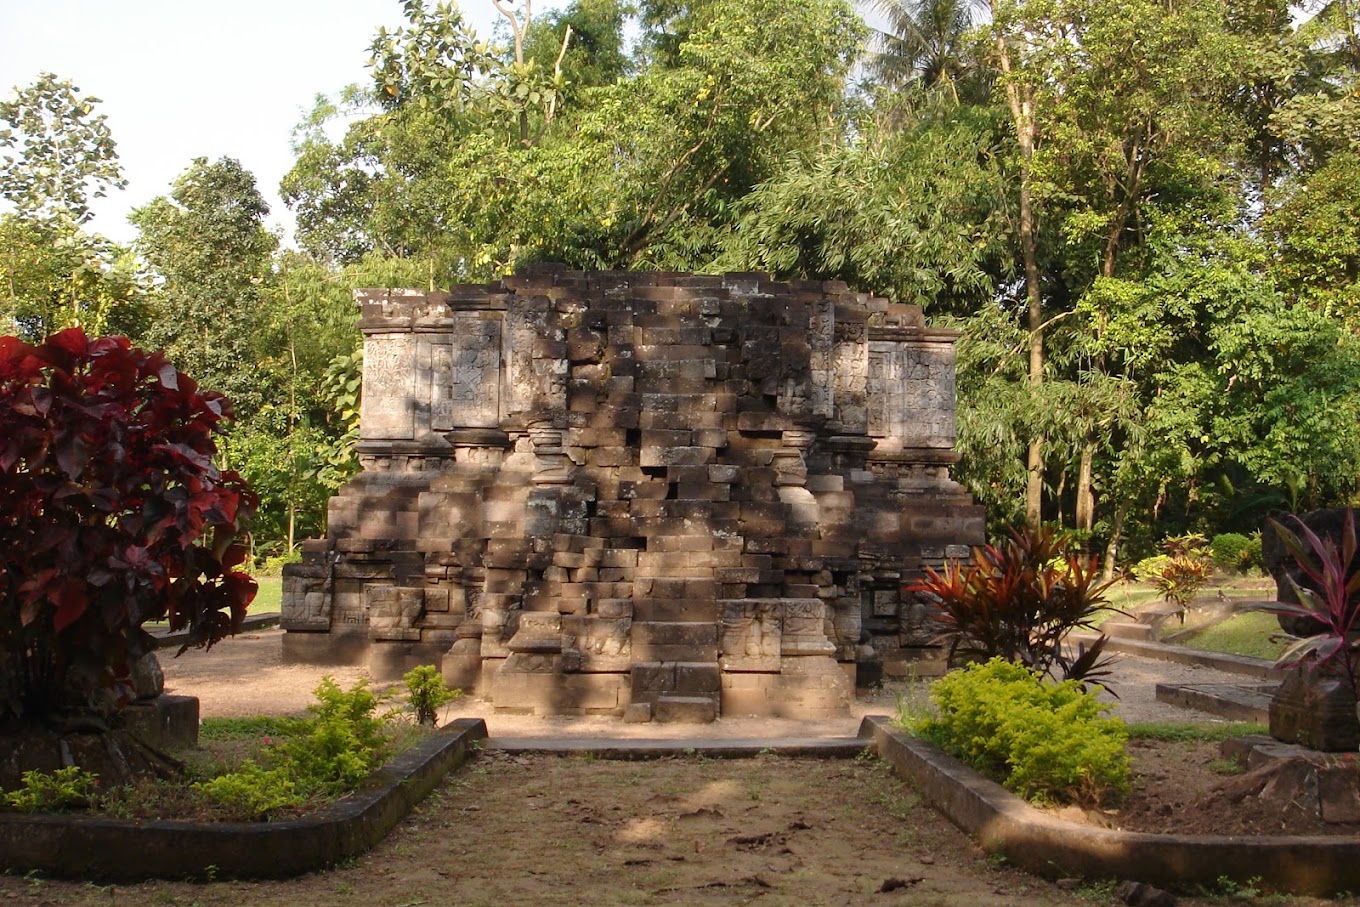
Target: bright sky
point(181, 79)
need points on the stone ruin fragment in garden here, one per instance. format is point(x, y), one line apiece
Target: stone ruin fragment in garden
point(649, 494)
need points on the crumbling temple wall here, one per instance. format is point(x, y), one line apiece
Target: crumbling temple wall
point(664, 495)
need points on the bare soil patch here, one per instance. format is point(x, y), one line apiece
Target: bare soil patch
point(1187, 787)
point(549, 830)
point(570, 830)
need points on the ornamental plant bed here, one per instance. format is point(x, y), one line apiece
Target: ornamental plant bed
point(225, 745)
point(96, 848)
point(249, 769)
point(1049, 743)
point(1188, 787)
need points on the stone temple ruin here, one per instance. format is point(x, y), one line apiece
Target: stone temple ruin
point(655, 495)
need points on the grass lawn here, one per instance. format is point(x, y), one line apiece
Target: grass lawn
point(1249, 633)
point(268, 600)
point(1130, 596)
point(270, 597)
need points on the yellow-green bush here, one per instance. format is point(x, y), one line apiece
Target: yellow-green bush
point(328, 754)
point(1048, 742)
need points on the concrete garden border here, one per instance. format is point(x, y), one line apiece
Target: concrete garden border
point(118, 850)
point(1035, 841)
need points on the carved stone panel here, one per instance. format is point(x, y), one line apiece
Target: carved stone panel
point(911, 393)
point(466, 374)
point(387, 411)
point(821, 342)
point(538, 633)
point(805, 628)
point(850, 362)
point(750, 638)
point(534, 383)
point(306, 610)
point(393, 612)
point(597, 645)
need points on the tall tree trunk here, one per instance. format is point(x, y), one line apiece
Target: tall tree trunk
point(1086, 499)
point(1021, 103)
point(1116, 536)
point(1034, 486)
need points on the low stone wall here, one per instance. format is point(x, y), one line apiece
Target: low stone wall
point(668, 495)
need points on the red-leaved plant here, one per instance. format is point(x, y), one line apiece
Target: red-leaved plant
point(1018, 600)
point(1329, 600)
point(112, 514)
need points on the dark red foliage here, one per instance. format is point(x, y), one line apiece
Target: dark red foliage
point(1020, 599)
point(112, 514)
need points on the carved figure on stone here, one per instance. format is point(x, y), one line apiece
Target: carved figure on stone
point(750, 633)
point(393, 611)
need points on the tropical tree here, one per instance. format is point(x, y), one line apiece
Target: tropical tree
point(912, 213)
point(208, 245)
point(54, 275)
point(926, 43)
point(480, 159)
point(56, 155)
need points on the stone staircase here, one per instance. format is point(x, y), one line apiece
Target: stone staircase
point(674, 638)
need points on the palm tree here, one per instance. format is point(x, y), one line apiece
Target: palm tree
point(923, 43)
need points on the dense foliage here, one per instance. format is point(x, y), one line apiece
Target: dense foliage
point(1047, 742)
point(1143, 215)
point(112, 514)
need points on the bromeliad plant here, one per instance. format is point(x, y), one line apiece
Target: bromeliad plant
point(1017, 600)
point(112, 514)
point(1330, 600)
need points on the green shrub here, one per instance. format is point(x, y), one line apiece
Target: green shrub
point(342, 744)
point(253, 792)
point(1231, 551)
point(1255, 554)
point(426, 693)
point(49, 791)
point(330, 753)
point(273, 565)
point(1047, 742)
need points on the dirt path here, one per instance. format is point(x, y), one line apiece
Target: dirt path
point(510, 830)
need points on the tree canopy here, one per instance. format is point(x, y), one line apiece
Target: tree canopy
point(1143, 216)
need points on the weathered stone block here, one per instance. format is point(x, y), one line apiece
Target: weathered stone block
point(676, 456)
point(678, 610)
point(686, 709)
point(548, 693)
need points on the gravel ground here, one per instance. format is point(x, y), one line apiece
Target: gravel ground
point(245, 675)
